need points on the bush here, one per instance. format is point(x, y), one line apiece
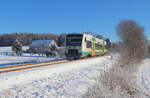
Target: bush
point(120, 80)
point(133, 49)
point(134, 43)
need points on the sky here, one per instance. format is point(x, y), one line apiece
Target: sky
point(69, 16)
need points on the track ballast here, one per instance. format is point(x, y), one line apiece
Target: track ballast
point(12, 68)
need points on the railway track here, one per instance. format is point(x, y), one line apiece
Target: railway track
point(12, 68)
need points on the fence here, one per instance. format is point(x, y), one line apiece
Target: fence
point(7, 53)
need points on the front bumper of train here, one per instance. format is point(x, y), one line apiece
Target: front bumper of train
point(73, 53)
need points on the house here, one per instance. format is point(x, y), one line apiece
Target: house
point(43, 46)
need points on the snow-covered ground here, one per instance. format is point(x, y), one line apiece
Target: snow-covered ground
point(26, 58)
point(67, 80)
point(9, 49)
point(13, 60)
point(144, 74)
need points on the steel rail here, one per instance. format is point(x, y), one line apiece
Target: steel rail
point(30, 66)
point(12, 68)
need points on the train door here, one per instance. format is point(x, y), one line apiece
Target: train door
point(93, 46)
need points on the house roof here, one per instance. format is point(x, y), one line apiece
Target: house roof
point(41, 42)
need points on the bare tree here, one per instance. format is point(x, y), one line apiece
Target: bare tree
point(134, 41)
point(120, 80)
point(133, 49)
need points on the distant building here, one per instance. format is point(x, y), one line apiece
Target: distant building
point(48, 47)
point(43, 46)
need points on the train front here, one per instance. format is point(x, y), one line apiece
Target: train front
point(73, 45)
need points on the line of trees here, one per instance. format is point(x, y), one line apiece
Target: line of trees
point(27, 38)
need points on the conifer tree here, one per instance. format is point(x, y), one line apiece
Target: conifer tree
point(17, 47)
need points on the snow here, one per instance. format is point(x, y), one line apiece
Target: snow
point(13, 60)
point(67, 80)
point(41, 42)
point(26, 58)
point(9, 49)
point(144, 76)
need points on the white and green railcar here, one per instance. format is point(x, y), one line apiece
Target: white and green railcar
point(82, 45)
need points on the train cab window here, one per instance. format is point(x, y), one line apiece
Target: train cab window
point(74, 40)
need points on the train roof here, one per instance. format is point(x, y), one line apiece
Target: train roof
point(82, 34)
point(87, 34)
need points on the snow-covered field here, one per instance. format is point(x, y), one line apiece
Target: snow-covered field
point(144, 74)
point(9, 49)
point(12, 60)
point(26, 58)
point(67, 80)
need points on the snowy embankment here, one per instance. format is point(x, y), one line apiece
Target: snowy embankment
point(13, 60)
point(67, 80)
point(26, 58)
point(144, 76)
point(9, 49)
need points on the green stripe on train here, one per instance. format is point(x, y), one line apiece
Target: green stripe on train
point(94, 39)
point(91, 52)
point(86, 52)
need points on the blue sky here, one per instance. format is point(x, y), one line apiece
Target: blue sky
point(60, 16)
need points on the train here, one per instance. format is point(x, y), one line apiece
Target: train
point(84, 45)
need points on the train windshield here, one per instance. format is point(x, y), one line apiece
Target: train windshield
point(74, 40)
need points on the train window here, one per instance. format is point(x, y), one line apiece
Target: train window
point(103, 47)
point(85, 39)
point(98, 46)
point(88, 44)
